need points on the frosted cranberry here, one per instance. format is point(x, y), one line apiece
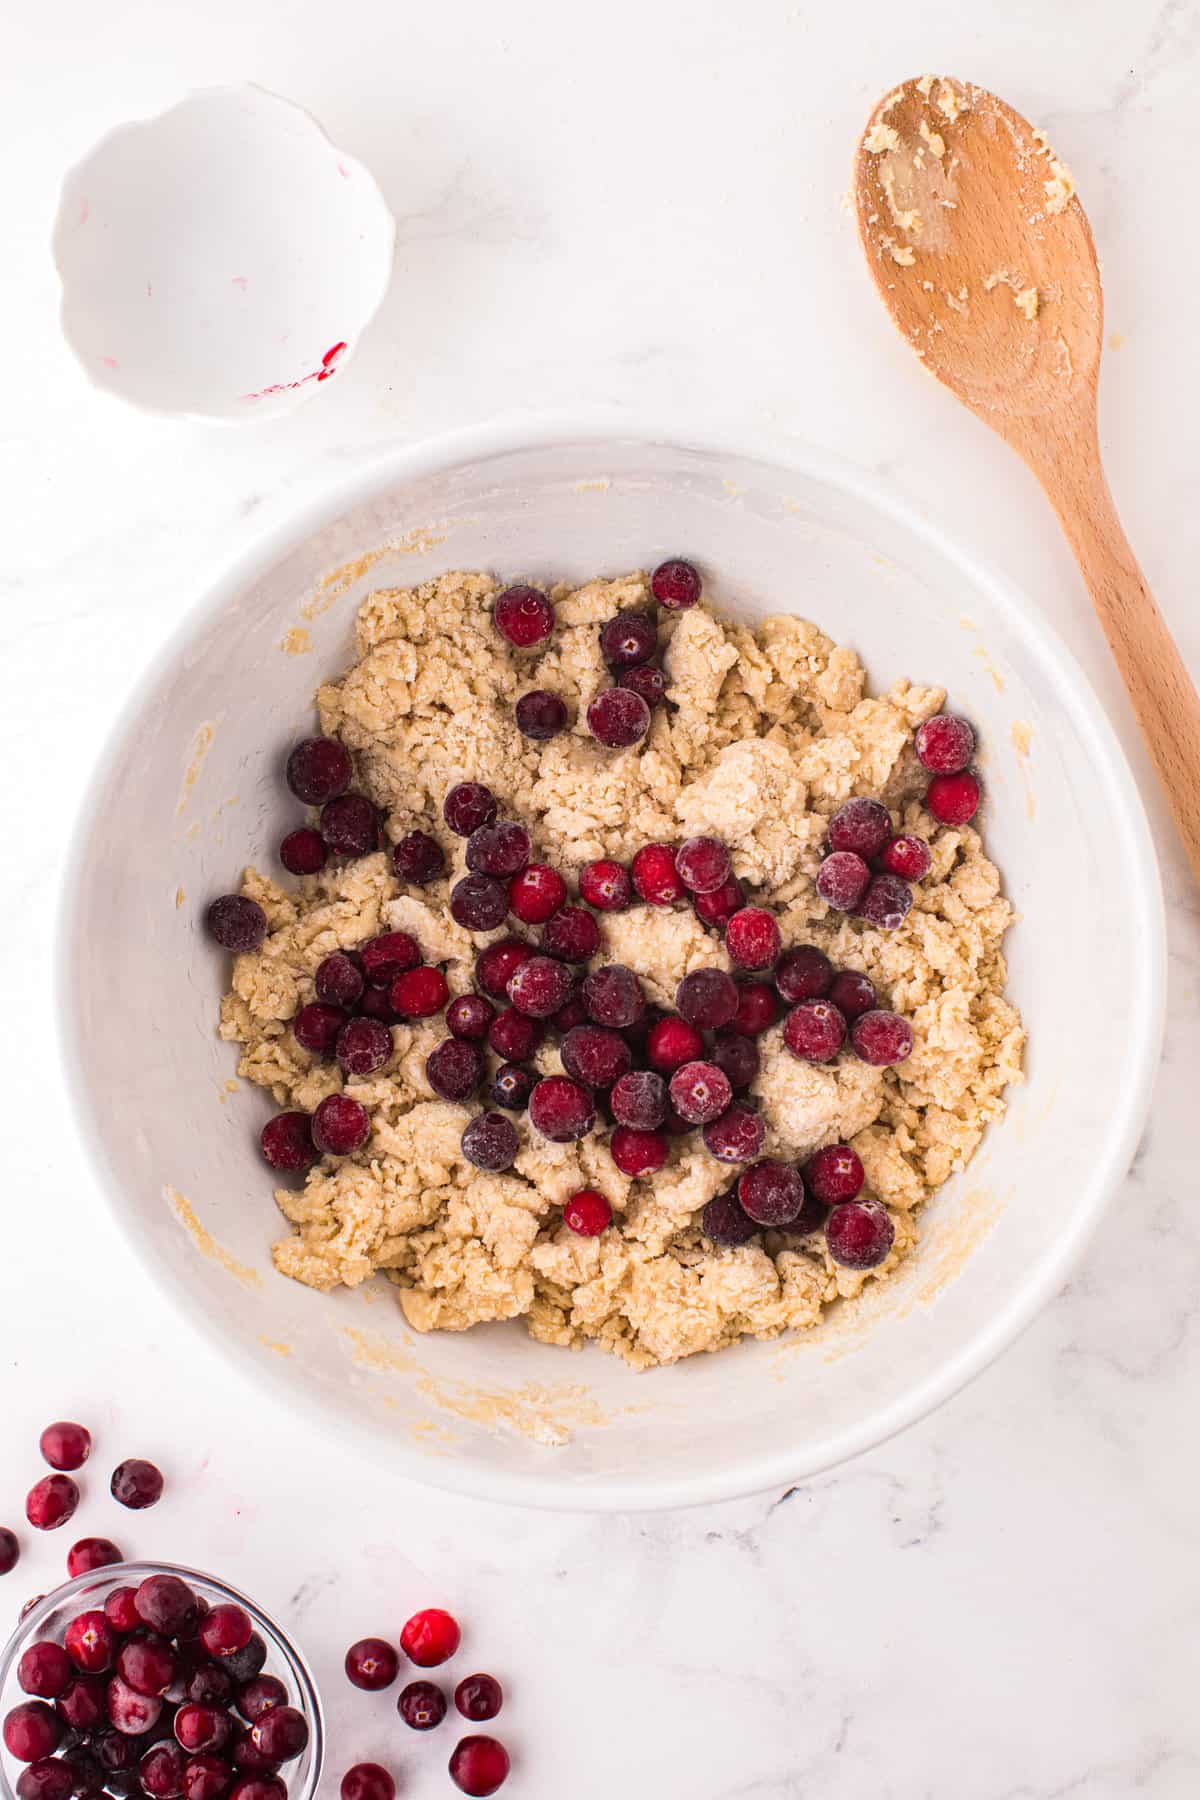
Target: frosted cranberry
point(50, 1502)
point(833, 1174)
point(618, 717)
point(281, 1734)
point(469, 1016)
point(707, 998)
point(737, 1136)
point(468, 806)
point(757, 1009)
point(572, 935)
point(645, 680)
point(339, 980)
point(514, 1035)
point(340, 1126)
point(209, 1685)
point(46, 1779)
point(161, 1771)
point(702, 864)
point(375, 1004)
point(479, 903)
point(944, 744)
point(587, 1213)
point(388, 955)
point(350, 825)
point(909, 857)
point(501, 849)
point(129, 1712)
point(31, 1731)
point(655, 876)
point(882, 1038)
point(430, 1637)
point(523, 615)
point(954, 799)
point(120, 1608)
point(676, 584)
point(737, 1058)
point(637, 1152)
point(363, 1046)
point(842, 880)
point(886, 903)
point(367, 1781)
point(265, 1691)
point(814, 1031)
point(236, 923)
point(166, 1604)
point(45, 1670)
point(319, 769)
point(700, 1092)
point(852, 993)
point(422, 1705)
point(861, 825)
point(671, 1043)
point(639, 1100)
point(417, 858)
point(206, 1777)
point(595, 1055)
point(629, 639)
point(303, 852)
point(606, 885)
point(512, 1086)
point(225, 1629)
point(316, 1027)
point(65, 1445)
point(287, 1142)
point(613, 996)
point(569, 1016)
point(491, 1142)
point(859, 1234)
point(479, 1697)
point(419, 993)
point(561, 1109)
point(536, 894)
point(454, 1069)
point(245, 1664)
point(10, 1550)
point(803, 974)
point(479, 1765)
point(540, 715)
point(752, 938)
point(724, 1221)
point(92, 1553)
point(771, 1193)
point(259, 1787)
point(718, 907)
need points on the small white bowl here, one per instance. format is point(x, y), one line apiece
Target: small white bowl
point(190, 790)
point(221, 260)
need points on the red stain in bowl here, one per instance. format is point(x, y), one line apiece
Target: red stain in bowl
point(328, 367)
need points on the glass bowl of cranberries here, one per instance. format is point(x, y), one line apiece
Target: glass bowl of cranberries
point(144, 1681)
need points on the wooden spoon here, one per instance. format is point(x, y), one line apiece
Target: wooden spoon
point(985, 260)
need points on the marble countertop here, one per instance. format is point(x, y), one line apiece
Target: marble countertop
point(641, 204)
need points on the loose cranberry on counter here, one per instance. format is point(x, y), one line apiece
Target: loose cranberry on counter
point(281, 1734)
point(639, 1100)
point(316, 1027)
point(161, 1771)
point(814, 1031)
point(206, 1777)
point(771, 1193)
point(523, 615)
point(702, 864)
point(852, 993)
point(265, 1691)
point(676, 584)
point(368, 1781)
point(944, 744)
point(363, 1047)
point(304, 852)
point(129, 1712)
point(540, 715)
point(418, 858)
point(954, 799)
point(737, 1057)
point(511, 1086)
point(92, 1553)
point(50, 1502)
point(637, 1153)
point(514, 1035)
point(606, 885)
point(497, 963)
point(707, 998)
point(572, 935)
point(618, 717)
point(842, 880)
point(834, 1174)
point(540, 987)
point(210, 1728)
point(587, 1213)
point(479, 1697)
point(65, 1445)
point(422, 1705)
point(454, 1069)
point(629, 639)
point(287, 1142)
point(909, 857)
point(595, 1055)
point(671, 1043)
point(419, 993)
point(536, 894)
point(882, 1039)
point(350, 825)
point(319, 769)
point(719, 906)
point(501, 849)
point(430, 1637)
point(164, 1602)
point(491, 1142)
point(371, 1663)
point(10, 1550)
point(859, 1234)
point(469, 1016)
point(225, 1629)
point(245, 1664)
point(886, 903)
point(655, 876)
point(340, 979)
point(724, 1221)
point(737, 1136)
point(613, 996)
point(757, 1009)
point(47, 1779)
point(479, 903)
point(340, 1126)
point(561, 1109)
point(645, 680)
point(468, 806)
point(700, 1092)
point(861, 825)
point(137, 1484)
point(479, 1765)
point(45, 1671)
point(236, 923)
point(804, 973)
point(32, 1731)
point(752, 938)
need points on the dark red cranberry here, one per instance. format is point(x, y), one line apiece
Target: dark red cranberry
point(842, 880)
point(363, 1047)
point(417, 858)
point(65, 1445)
point(479, 903)
point(497, 963)
point(92, 1553)
point(700, 1092)
point(540, 715)
point(613, 996)
point(367, 1781)
point(752, 938)
point(501, 850)
point(834, 1174)
point(340, 979)
point(637, 1153)
point(45, 1670)
point(340, 1125)
point(147, 1664)
point(676, 584)
point(647, 681)
point(803, 974)
point(512, 1086)
point(376, 1004)
point(209, 1685)
point(236, 923)
point(316, 1026)
point(208, 1728)
point(595, 1055)
point(114, 1752)
point(479, 1697)
point(161, 1771)
point(718, 908)
point(859, 1234)
point(206, 1777)
point(655, 876)
point(523, 615)
point(569, 1016)
point(587, 1213)
point(430, 1637)
point(514, 1035)
point(468, 806)
point(82, 1704)
point(852, 993)
point(479, 1765)
point(882, 1039)
point(737, 1136)
point(639, 1100)
point(50, 1502)
point(572, 935)
point(388, 955)
point(303, 852)
point(561, 1109)
point(120, 1608)
point(909, 857)
point(886, 903)
point(32, 1731)
point(259, 1787)
point(954, 799)
point(628, 639)
point(245, 1664)
point(469, 1016)
point(46, 1779)
point(10, 1550)
point(454, 1069)
point(287, 1142)
point(164, 1602)
point(350, 825)
point(540, 986)
point(737, 1057)
point(757, 1009)
point(671, 1043)
point(129, 1712)
point(265, 1691)
point(814, 1031)
point(944, 744)
point(225, 1629)
point(702, 864)
point(707, 998)
point(491, 1142)
point(536, 894)
point(771, 1193)
point(246, 1758)
point(419, 993)
point(319, 769)
point(606, 885)
point(90, 1778)
point(422, 1705)
point(861, 825)
point(618, 717)
point(725, 1223)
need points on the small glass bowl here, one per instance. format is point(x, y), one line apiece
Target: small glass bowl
point(51, 1616)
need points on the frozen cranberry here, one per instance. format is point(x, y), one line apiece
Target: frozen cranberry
point(561, 1109)
point(259, 1787)
point(676, 584)
point(834, 1174)
point(92, 1553)
point(350, 825)
point(430, 1637)
point(618, 717)
point(859, 1234)
point(569, 1016)
point(363, 1046)
point(469, 1016)
point(209, 1685)
point(757, 1009)
point(707, 998)
point(46, 1779)
point(724, 1221)
point(454, 1069)
point(737, 1136)
point(512, 1085)
point(479, 903)
point(287, 1142)
point(120, 1608)
point(702, 864)
point(419, 993)
point(719, 907)
point(655, 876)
point(129, 1712)
point(376, 1004)
point(417, 858)
point(842, 880)
point(422, 1705)
point(316, 1027)
point(479, 1697)
point(639, 1100)
point(629, 639)
point(166, 1604)
point(501, 849)
point(479, 1765)
point(861, 825)
point(700, 1092)
point(137, 1484)
point(909, 857)
point(536, 894)
point(303, 852)
point(340, 1125)
point(339, 980)
point(514, 1035)
point(523, 615)
point(852, 993)
point(752, 938)
point(161, 1771)
point(803, 974)
point(572, 935)
point(944, 744)
point(65, 1445)
point(468, 806)
point(645, 680)
point(636, 1152)
point(319, 769)
point(540, 715)
point(771, 1193)
point(388, 955)
point(606, 885)
point(737, 1057)
point(45, 1670)
point(886, 903)
point(225, 1629)
point(206, 1777)
point(882, 1038)
point(10, 1550)
point(595, 1055)
point(814, 1031)
point(587, 1213)
point(491, 1142)
point(367, 1781)
point(671, 1043)
point(954, 799)
point(236, 923)
point(497, 963)
point(613, 996)
point(32, 1731)
point(245, 1664)
point(50, 1502)
point(368, 1655)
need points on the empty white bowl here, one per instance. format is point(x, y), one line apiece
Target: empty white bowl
point(190, 790)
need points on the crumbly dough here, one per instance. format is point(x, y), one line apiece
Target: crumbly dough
point(767, 732)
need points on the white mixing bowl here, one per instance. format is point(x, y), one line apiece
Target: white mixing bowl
point(190, 790)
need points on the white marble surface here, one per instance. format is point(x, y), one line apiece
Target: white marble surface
point(640, 203)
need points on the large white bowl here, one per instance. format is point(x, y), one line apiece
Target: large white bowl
point(190, 790)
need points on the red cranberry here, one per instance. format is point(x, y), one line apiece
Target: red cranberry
point(514, 1035)
point(725, 1223)
point(340, 1126)
point(655, 876)
point(757, 1009)
point(814, 1031)
point(82, 1704)
point(388, 955)
point(479, 1765)
point(700, 1092)
point(245, 1664)
point(613, 996)
point(569, 1016)
point(737, 1057)
point(417, 858)
point(90, 1642)
point(225, 1629)
point(718, 908)
point(886, 903)
point(646, 680)
point(129, 1712)
point(350, 825)
point(737, 1136)
point(281, 1734)
point(501, 849)
point(316, 1026)
point(479, 1697)
point(236, 923)
point(595, 1055)
point(114, 1752)
point(339, 980)
point(561, 1109)
point(65, 1445)
point(120, 1607)
point(376, 1004)
point(954, 799)
point(606, 885)
point(587, 1213)
point(523, 615)
point(572, 935)
point(618, 717)
point(676, 584)
point(861, 825)
point(303, 852)
point(479, 903)
point(164, 1602)
point(752, 938)
point(842, 880)
point(10, 1550)
point(637, 1153)
point(247, 1759)
point(536, 894)
point(161, 1771)
point(909, 857)
point(364, 1046)
point(944, 744)
point(702, 864)
point(260, 1695)
point(430, 1637)
point(32, 1731)
point(46, 1779)
point(540, 987)
point(882, 1039)
point(771, 1193)
point(92, 1553)
point(834, 1174)
point(803, 974)
point(671, 1043)
point(367, 1781)
point(455, 1069)
point(422, 1705)
point(259, 1787)
point(468, 806)
point(50, 1502)
point(319, 769)
point(707, 998)
point(859, 1234)
point(497, 963)
point(852, 993)
point(419, 993)
point(469, 1016)
point(629, 639)
point(491, 1142)
point(639, 1100)
point(209, 1728)
point(540, 715)
point(512, 1085)
point(209, 1685)
point(206, 1777)
point(287, 1142)
point(45, 1670)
